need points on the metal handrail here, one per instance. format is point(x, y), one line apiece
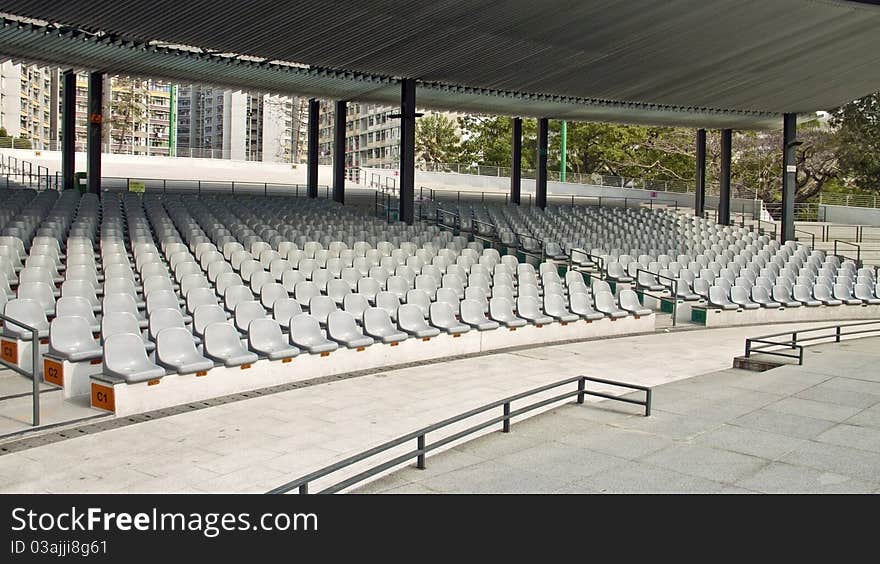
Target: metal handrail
point(674, 289)
point(422, 447)
point(795, 339)
point(35, 368)
point(858, 251)
point(810, 233)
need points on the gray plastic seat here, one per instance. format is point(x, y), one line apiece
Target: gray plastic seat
point(761, 296)
point(265, 338)
point(198, 297)
point(369, 287)
point(528, 307)
point(320, 307)
point(843, 293)
point(245, 312)
point(206, 314)
point(718, 298)
point(378, 324)
point(582, 305)
point(163, 318)
point(337, 290)
point(802, 294)
point(389, 302)
point(629, 301)
point(70, 338)
point(442, 316)
point(222, 343)
point(306, 333)
point(740, 296)
point(823, 293)
point(39, 292)
point(411, 320)
point(606, 303)
point(304, 292)
point(76, 306)
point(284, 309)
point(29, 312)
point(342, 328)
point(122, 303)
point(501, 310)
point(554, 306)
point(82, 289)
point(176, 350)
point(782, 294)
point(355, 304)
point(420, 299)
point(234, 295)
point(474, 314)
point(126, 357)
point(863, 292)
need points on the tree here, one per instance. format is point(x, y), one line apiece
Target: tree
point(128, 107)
point(437, 140)
point(858, 150)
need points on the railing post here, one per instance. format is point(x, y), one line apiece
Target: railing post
point(794, 340)
point(505, 426)
point(837, 334)
point(748, 348)
point(35, 371)
point(304, 489)
point(420, 444)
point(581, 385)
point(648, 394)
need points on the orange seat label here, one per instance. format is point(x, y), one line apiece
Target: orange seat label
point(53, 372)
point(9, 351)
point(102, 397)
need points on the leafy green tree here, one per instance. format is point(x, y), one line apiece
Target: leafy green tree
point(858, 150)
point(437, 139)
point(128, 106)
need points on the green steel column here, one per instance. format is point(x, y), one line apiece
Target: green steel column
point(172, 126)
point(562, 150)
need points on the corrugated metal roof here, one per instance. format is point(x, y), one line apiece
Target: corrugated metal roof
point(748, 59)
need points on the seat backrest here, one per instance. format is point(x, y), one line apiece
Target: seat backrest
point(305, 329)
point(164, 317)
point(123, 351)
point(442, 314)
point(410, 317)
point(206, 314)
point(71, 333)
point(320, 308)
point(377, 321)
point(115, 322)
point(285, 308)
point(420, 299)
point(342, 325)
point(605, 301)
point(27, 311)
point(554, 304)
point(355, 304)
point(472, 311)
point(221, 339)
point(74, 306)
point(174, 342)
point(162, 299)
point(501, 308)
point(264, 333)
point(739, 294)
point(822, 292)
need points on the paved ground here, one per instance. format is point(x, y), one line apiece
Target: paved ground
point(810, 429)
point(260, 443)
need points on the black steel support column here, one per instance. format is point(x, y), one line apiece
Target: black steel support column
point(789, 175)
point(516, 162)
point(700, 192)
point(312, 167)
point(407, 149)
point(541, 176)
point(724, 193)
point(96, 117)
point(68, 130)
point(339, 151)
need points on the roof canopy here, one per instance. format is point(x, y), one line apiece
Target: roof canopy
point(712, 63)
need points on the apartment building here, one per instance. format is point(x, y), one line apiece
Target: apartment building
point(29, 103)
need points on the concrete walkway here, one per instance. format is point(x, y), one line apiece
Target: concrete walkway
point(260, 443)
point(810, 429)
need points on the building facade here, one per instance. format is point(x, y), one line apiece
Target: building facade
point(29, 98)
